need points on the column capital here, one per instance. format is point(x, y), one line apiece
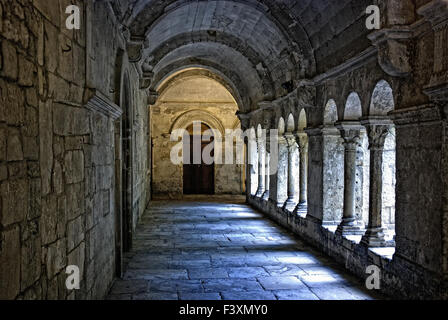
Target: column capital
point(302, 140)
point(281, 140)
point(290, 140)
point(351, 133)
point(377, 134)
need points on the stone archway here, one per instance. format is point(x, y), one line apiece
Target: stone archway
point(187, 118)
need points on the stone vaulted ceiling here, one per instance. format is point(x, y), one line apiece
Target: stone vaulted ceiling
point(261, 47)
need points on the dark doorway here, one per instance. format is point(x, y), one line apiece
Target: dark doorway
point(198, 178)
point(126, 151)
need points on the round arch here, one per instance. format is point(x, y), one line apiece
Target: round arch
point(382, 100)
point(303, 121)
point(330, 112)
point(353, 108)
point(290, 126)
point(185, 119)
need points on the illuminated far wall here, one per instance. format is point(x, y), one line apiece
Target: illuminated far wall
point(195, 98)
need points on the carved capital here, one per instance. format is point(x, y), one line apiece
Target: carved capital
point(291, 141)
point(377, 135)
point(302, 141)
point(351, 133)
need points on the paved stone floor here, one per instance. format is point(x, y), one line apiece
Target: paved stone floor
point(219, 250)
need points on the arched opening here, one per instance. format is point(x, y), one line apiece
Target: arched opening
point(123, 173)
point(198, 174)
point(330, 113)
point(189, 95)
point(353, 113)
point(389, 183)
point(282, 171)
point(333, 168)
point(353, 110)
point(382, 102)
point(127, 174)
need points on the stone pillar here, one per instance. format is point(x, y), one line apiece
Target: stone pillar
point(303, 144)
point(377, 132)
point(261, 167)
point(267, 175)
point(248, 169)
point(351, 132)
point(291, 202)
point(277, 178)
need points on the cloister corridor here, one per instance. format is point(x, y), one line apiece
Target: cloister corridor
point(223, 149)
point(221, 249)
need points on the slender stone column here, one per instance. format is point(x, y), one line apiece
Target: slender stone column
point(302, 206)
point(351, 132)
point(248, 169)
point(261, 167)
point(267, 177)
point(377, 133)
point(291, 202)
point(278, 170)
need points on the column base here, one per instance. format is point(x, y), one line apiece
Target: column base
point(259, 193)
point(349, 227)
point(301, 208)
point(374, 238)
point(265, 195)
point(290, 204)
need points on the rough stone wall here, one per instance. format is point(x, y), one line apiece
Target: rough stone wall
point(333, 180)
point(56, 156)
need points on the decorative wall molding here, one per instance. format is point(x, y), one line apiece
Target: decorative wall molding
point(417, 115)
point(97, 102)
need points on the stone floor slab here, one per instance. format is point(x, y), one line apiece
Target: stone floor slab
point(213, 250)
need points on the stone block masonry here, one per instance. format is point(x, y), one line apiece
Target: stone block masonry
point(57, 158)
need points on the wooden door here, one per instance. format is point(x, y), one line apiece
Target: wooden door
point(198, 178)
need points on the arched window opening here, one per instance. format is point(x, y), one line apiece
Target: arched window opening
point(389, 183)
point(355, 172)
point(353, 110)
point(333, 168)
point(381, 220)
point(282, 171)
point(330, 113)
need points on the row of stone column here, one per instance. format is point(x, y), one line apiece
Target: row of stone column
point(293, 143)
point(377, 131)
point(350, 131)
